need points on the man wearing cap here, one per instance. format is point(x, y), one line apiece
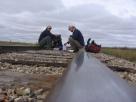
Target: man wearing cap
point(45, 39)
point(76, 40)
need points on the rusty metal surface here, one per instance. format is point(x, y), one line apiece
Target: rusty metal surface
point(88, 80)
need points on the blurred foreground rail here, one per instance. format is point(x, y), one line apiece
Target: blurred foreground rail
point(28, 74)
point(88, 80)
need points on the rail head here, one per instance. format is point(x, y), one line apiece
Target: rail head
point(89, 80)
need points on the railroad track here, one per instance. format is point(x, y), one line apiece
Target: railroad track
point(85, 80)
point(29, 68)
point(89, 80)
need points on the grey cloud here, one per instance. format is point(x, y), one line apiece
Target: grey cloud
point(93, 20)
point(15, 6)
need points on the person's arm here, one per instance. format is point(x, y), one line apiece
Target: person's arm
point(66, 43)
point(75, 35)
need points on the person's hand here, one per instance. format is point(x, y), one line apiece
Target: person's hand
point(65, 44)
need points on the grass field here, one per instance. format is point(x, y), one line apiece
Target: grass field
point(126, 53)
point(10, 43)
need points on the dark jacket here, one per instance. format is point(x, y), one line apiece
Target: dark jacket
point(44, 34)
point(77, 35)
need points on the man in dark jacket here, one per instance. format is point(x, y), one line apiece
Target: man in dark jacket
point(46, 37)
point(76, 40)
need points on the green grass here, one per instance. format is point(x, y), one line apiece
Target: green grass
point(9, 43)
point(125, 53)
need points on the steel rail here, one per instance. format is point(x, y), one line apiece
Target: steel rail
point(89, 80)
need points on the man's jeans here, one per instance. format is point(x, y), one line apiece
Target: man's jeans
point(46, 42)
point(75, 44)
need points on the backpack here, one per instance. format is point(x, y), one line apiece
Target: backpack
point(92, 47)
point(57, 42)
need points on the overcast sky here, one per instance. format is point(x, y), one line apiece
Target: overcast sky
point(108, 22)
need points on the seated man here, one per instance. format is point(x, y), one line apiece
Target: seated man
point(76, 40)
point(46, 37)
point(48, 40)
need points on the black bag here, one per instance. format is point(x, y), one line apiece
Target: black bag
point(57, 42)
